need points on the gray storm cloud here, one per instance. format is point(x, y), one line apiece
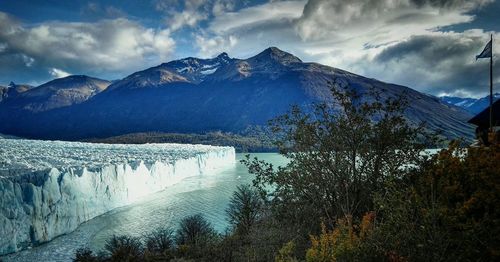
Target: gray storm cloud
point(338, 19)
point(441, 64)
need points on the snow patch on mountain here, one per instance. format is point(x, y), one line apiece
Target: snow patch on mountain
point(196, 69)
point(472, 105)
point(208, 71)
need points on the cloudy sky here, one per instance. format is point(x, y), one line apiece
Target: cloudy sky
point(429, 45)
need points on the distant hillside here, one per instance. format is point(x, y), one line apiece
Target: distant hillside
point(57, 93)
point(471, 105)
point(12, 91)
point(199, 96)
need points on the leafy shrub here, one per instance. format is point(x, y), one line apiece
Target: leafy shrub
point(343, 242)
point(160, 243)
point(285, 254)
point(196, 238)
point(447, 210)
point(85, 255)
point(194, 230)
point(124, 248)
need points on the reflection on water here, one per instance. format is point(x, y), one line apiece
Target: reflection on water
point(208, 195)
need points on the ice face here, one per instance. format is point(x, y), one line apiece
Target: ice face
point(48, 188)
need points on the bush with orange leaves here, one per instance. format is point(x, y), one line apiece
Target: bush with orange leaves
point(448, 209)
point(343, 242)
point(462, 187)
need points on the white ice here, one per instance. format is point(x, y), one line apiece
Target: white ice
point(48, 188)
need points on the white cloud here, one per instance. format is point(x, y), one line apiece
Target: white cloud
point(58, 73)
point(221, 6)
point(28, 61)
point(261, 14)
point(190, 13)
point(3, 47)
point(114, 45)
point(93, 9)
point(209, 47)
point(185, 18)
point(251, 29)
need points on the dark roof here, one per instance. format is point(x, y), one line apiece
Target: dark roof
point(483, 119)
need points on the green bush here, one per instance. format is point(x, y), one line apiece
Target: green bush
point(446, 210)
point(160, 243)
point(85, 255)
point(124, 248)
point(194, 230)
point(196, 238)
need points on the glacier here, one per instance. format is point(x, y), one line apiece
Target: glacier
point(48, 188)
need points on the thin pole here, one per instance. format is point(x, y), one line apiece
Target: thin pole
point(491, 85)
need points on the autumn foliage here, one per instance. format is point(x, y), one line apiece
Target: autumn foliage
point(444, 210)
point(342, 242)
point(463, 184)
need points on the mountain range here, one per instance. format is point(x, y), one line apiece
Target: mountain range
point(471, 105)
point(194, 95)
point(12, 90)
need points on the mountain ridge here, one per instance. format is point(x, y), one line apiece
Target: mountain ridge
point(13, 90)
point(472, 105)
point(231, 95)
point(60, 92)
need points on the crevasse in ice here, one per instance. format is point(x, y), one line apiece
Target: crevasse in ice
point(48, 188)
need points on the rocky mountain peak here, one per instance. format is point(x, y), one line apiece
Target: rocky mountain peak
point(277, 55)
point(223, 55)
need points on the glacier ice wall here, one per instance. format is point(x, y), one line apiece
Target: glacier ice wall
point(48, 188)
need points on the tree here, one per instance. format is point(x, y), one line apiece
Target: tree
point(285, 254)
point(85, 255)
point(339, 154)
point(343, 242)
point(160, 243)
point(461, 189)
point(196, 238)
point(193, 230)
point(124, 248)
point(244, 208)
point(445, 210)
